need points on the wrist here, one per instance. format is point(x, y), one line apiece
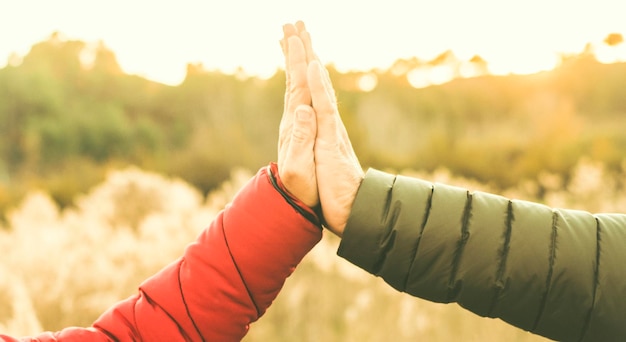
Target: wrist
point(311, 214)
point(350, 198)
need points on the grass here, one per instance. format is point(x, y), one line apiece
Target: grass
point(64, 267)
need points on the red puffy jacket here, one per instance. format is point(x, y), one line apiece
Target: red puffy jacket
point(224, 281)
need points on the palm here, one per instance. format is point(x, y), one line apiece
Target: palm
point(296, 166)
point(328, 171)
point(339, 173)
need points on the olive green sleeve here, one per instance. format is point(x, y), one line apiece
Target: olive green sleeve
point(557, 273)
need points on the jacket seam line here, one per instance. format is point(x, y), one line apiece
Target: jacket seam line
point(243, 281)
point(503, 254)
point(596, 279)
point(427, 210)
point(456, 261)
point(389, 195)
point(385, 241)
point(182, 295)
point(551, 259)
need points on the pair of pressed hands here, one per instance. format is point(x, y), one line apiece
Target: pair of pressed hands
point(316, 162)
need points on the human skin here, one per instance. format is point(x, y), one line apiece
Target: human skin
point(296, 162)
point(337, 170)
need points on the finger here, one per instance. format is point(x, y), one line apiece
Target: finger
point(321, 88)
point(306, 40)
point(285, 49)
point(324, 105)
point(300, 26)
point(297, 135)
point(308, 46)
point(297, 87)
point(297, 64)
point(323, 73)
point(328, 86)
point(331, 131)
point(289, 31)
point(303, 132)
point(305, 36)
point(298, 167)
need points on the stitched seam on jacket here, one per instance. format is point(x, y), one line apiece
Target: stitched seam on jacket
point(256, 307)
point(388, 201)
point(429, 205)
point(504, 253)
point(182, 294)
point(552, 257)
point(453, 291)
point(386, 241)
point(596, 277)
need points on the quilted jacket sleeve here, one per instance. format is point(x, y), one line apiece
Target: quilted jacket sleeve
point(225, 280)
point(556, 273)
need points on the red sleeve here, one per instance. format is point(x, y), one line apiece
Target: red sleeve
point(225, 280)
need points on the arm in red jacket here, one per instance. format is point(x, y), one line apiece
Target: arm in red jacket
point(225, 280)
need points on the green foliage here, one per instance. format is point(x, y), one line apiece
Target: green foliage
point(68, 114)
point(69, 101)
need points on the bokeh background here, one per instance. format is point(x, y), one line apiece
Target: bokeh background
point(124, 128)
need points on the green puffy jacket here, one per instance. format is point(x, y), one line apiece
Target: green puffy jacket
point(557, 273)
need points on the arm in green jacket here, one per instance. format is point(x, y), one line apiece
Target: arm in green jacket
point(557, 273)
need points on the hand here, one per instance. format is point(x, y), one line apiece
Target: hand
point(339, 173)
point(296, 163)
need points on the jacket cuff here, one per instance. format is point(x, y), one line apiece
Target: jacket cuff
point(311, 214)
point(361, 240)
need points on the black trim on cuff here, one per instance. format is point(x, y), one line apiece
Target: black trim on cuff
point(309, 216)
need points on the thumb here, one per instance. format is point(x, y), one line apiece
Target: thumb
point(324, 103)
point(298, 167)
point(304, 131)
point(299, 157)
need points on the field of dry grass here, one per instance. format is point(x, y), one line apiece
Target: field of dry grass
point(63, 267)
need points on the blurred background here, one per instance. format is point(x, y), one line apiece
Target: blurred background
point(134, 123)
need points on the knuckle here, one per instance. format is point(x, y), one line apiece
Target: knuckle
point(300, 135)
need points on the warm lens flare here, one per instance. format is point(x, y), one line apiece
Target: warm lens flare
point(157, 41)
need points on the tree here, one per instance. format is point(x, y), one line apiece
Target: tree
point(614, 39)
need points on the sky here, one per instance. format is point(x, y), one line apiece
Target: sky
point(157, 38)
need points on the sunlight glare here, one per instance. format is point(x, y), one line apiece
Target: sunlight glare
point(610, 54)
point(367, 82)
point(522, 64)
point(418, 78)
point(426, 76)
point(15, 60)
point(441, 74)
point(87, 56)
point(468, 70)
point(228, 39)
point(399, 68)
